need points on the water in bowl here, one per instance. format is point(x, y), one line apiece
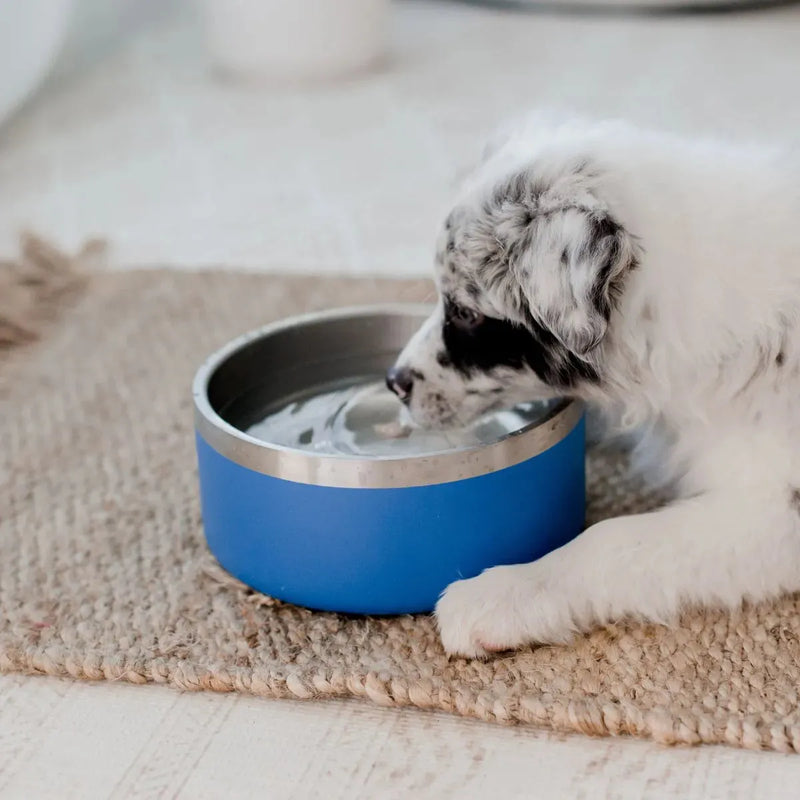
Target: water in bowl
point(363, 418)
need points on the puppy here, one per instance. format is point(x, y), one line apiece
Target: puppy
point(658, 280)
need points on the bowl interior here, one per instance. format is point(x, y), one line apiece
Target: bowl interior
point(270, 372)
point(266, 372)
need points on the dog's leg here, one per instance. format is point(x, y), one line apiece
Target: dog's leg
point(714, 549)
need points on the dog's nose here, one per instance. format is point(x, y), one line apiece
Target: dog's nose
point(401, 381)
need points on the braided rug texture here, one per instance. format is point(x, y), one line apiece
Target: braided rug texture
point(104, 573)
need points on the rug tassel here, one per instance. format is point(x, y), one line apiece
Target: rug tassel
point(35, 286)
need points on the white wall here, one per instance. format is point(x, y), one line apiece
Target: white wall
point(100, 25)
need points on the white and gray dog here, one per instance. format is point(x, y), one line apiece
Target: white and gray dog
point(659, 280)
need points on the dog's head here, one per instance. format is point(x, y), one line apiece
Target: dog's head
point(529, 267)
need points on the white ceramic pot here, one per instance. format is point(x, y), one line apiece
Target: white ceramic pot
point(296, 40)
point(31, 35)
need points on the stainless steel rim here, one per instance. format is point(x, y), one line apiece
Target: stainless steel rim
point(366, 473)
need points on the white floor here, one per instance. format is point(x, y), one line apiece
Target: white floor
point(138, 141)
point(142, 143)
point(67, 740)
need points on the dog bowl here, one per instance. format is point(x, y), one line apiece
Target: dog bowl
point(375, 527)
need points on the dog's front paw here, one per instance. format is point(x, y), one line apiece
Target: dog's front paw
point(502, 609)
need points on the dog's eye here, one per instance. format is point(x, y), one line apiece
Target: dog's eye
point(466, 318)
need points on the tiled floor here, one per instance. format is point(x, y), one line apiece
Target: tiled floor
point(141, 143)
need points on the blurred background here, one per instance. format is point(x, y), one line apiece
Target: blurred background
point(327, 135)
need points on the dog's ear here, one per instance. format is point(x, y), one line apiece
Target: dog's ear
point(574, 294)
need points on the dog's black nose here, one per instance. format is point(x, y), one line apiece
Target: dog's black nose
point(401, 381)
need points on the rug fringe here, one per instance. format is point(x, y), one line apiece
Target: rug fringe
point(36, 285)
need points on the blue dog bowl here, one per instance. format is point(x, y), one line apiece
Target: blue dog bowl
point(368, 535)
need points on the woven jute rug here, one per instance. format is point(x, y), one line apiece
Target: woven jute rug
point(104, 573)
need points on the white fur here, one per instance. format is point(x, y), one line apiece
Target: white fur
point(701, 359)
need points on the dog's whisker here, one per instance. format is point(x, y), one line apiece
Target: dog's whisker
point(412, 294)
point(429, 298)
